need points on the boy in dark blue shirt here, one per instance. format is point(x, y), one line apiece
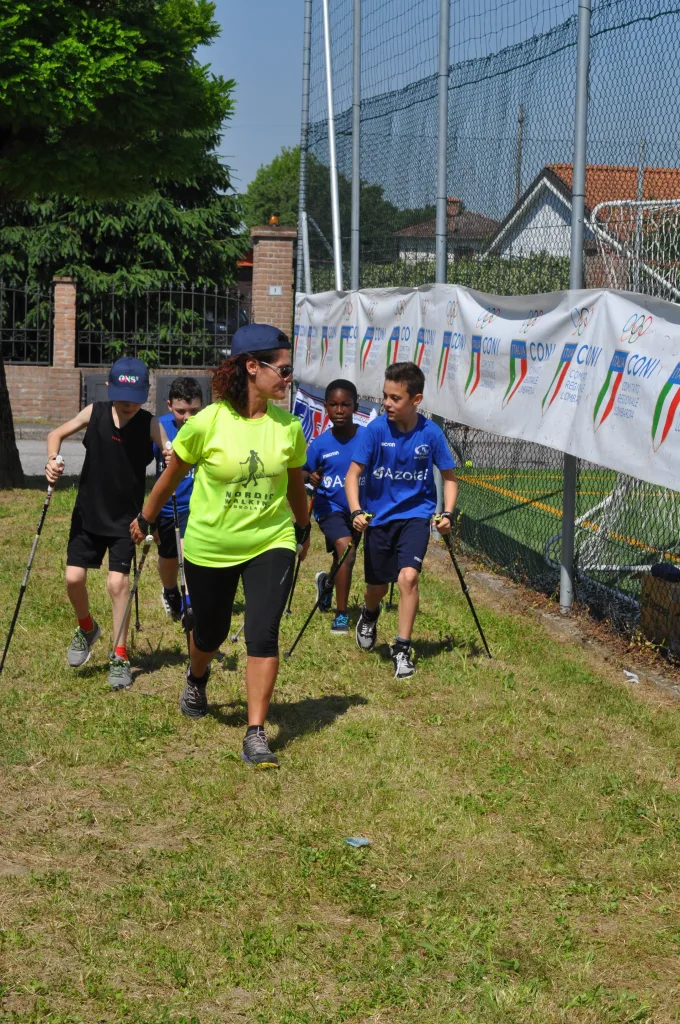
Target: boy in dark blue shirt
point(328, 458)
point(398, 452)
point(185, 399)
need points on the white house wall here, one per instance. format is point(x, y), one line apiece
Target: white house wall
point(544, 227)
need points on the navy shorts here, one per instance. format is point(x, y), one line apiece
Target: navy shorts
point(394, 546)
point(167, 545)
point(335, 526)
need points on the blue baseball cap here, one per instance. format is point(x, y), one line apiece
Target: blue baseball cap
point(258, 338)
point(128, 381)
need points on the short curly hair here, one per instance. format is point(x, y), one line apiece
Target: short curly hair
point(230, 379)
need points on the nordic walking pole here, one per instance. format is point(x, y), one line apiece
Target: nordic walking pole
point(180, 565)
point(234, 636)
point(354, 542)
point(449, 544)
point(297, 567)
point(24, 583)
point(138, 625)
point(390, 605)
point(135, 584)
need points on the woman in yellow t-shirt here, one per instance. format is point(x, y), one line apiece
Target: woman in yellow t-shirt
point(247, 456)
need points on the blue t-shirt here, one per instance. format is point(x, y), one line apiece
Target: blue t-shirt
point(331, 458)
point(184, 489)
point(399, 469)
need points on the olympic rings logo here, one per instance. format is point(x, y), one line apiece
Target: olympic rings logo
point(298, 309)
point(399, 308)
point(486, 318)
point(531, 321)
point(347, 309)
point(329, 306)
point(451, 311)
point(370, 310)
point(635, 326)
point(580, 318)
point(424, 306)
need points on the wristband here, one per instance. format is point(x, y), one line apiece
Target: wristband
point(145, 526)
point(359, 512)
point(301, 533)
point(446, 515)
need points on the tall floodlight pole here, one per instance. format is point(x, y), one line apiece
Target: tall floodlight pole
point(356, 145)
point(578, 201)
point(333, 168)
point(303, 237)
point(442, 139)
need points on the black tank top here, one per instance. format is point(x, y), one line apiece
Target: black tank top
point(111, 488)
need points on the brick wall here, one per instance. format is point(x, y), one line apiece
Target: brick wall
point(47, 393)
point(273, 268)
point(52, 394)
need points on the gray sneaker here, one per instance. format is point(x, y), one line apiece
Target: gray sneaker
point(402, 661)
point(256, 752)
point(120, 674)
point(80, 647)
point(194, 701)
point(367, 632)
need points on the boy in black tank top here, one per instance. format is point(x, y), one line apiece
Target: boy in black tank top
point(118, 440)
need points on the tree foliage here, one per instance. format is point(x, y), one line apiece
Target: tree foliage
point(176, 233)
point(274, 190)
point(100, 99)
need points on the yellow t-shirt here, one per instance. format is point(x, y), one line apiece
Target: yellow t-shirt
point(238, 505)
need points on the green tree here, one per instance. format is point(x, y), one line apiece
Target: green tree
point(176, 233)
point(103, 101)
point(274, 190)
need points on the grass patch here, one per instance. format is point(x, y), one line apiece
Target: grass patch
point(523, 815)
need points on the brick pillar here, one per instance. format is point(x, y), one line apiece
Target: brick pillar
point(64, 324)
point(273, 270)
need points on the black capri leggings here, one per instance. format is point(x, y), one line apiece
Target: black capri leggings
point(266, 582)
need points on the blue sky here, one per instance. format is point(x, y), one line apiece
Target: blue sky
point(261, 48)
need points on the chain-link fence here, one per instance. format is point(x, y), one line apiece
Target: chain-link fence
point(510, 145)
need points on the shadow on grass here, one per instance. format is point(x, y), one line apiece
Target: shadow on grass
point(424, 648)
point(296, 719)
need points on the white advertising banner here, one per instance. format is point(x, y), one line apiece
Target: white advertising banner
point(592, 373)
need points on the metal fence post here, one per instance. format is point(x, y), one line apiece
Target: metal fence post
point(332, 158)
point(441, 256)
point(442, 139)
point(303, 241)
point(356, 145)
point(576, 281)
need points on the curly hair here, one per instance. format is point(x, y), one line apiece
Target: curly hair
point(230, 379)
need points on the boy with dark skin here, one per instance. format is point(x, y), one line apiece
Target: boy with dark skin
point(328, 458)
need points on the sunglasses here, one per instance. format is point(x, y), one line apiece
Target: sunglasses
point(284, 372)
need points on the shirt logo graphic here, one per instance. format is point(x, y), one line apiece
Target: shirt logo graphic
point(422, 451)
point(387, 444)
point(253, 464)
point(328, 455)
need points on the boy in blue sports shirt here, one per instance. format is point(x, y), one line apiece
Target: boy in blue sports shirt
point(398, 451)
point(328, 459)
point(185, 399)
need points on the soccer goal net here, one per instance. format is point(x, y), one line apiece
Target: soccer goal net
point(638, 245)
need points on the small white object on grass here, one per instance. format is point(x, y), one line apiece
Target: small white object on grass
point(632, 677)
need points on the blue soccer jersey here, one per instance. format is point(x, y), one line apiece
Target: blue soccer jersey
point(184, 489)
point(331, 458)
point(399, 469)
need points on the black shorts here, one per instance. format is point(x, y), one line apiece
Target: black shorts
point(335, 526)
point(394, 546)
point(87, 550)
point(167, 544)
point(266, 582)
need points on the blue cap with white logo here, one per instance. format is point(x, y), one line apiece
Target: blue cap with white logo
point(128, 381)
point(258, 338)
